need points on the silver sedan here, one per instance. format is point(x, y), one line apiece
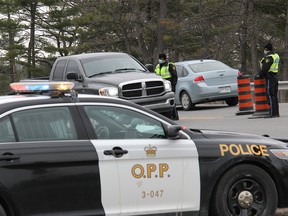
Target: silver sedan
point(201, 81)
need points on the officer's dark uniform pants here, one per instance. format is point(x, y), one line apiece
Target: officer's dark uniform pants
point(272, 94)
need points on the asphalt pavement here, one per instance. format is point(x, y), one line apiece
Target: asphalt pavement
point(218, 116)
point(222, 117)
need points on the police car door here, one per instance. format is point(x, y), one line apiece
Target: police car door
point(141, 170)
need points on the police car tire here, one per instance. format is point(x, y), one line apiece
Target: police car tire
point(2, 211)
point(243, 178)
point(188, 105)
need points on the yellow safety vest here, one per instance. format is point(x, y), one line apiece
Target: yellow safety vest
point(275, 65)
point(164, 72)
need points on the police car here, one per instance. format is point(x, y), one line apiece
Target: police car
point(68, 154)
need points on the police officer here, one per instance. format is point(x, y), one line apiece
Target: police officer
point(269, 70)
point(167, 71)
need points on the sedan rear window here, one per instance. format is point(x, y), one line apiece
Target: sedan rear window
point(208, 66)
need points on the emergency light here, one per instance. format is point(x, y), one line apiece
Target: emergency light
point(41, 86)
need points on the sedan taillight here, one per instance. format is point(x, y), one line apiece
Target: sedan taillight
point(199, 79)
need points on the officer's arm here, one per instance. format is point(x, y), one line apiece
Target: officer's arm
point(266, 64)
point(173, 72)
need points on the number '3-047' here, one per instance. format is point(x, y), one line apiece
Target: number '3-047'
point(152, 194)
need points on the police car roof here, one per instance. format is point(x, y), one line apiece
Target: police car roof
point(34, 97)
point(46, 92)
point(36, 93)
point(15, 101)
point(17, 98)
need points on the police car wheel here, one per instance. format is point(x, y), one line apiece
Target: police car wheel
point(186, 102)
point(2, 211)
point(245, 190)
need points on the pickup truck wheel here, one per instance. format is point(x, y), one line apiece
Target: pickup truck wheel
point(186, 102)
point(245, 190)
point(232, 101)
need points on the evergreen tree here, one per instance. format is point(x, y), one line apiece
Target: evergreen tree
point(12, 45)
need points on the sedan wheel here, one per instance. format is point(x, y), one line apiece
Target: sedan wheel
point(232, 101)
point(245, 190)
point(186, 102)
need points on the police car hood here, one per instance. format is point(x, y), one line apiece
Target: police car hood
point(218, 136)
point(121, 77)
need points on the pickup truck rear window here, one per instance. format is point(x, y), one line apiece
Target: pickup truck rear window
point(72, 67)
point(58, 71)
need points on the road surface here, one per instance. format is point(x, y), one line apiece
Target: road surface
point(222, 117)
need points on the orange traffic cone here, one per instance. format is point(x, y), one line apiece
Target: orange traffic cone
point(244, 95)
point(261, 103)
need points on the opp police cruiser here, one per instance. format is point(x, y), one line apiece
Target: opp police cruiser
point(68, 154)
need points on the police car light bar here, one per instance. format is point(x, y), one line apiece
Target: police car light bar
point(41, 86)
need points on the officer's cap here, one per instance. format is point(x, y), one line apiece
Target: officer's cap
point(162, 56)
point(268, 47)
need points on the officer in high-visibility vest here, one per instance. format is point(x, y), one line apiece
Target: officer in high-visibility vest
point(269, 70)
point(167, 70)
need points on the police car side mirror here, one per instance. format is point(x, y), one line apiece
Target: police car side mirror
point(150, 68)
point(173, 131)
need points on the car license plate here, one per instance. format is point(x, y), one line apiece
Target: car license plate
point(224, 89)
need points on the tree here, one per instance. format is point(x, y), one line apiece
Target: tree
point(285, 55)
point(59, 28)
point(29, 14)
point(253, 38)
point(10, 28)
point(35, 32)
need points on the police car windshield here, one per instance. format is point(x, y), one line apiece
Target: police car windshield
point(110, 64)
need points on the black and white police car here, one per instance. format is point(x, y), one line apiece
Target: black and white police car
point(68, 154)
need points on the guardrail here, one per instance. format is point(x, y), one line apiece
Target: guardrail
point(282, 88)
point(282, 85)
